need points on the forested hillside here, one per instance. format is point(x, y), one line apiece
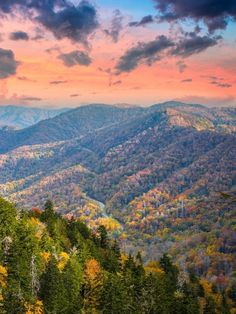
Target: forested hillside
point(49, 264)
point(71, 124)
point(18, 117)
point(156, 177)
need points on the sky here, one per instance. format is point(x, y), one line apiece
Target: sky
point(65, 53)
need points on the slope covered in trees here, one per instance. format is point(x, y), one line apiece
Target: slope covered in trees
point(71, 124)
point(18, 117)
point(153, 176)
point(52, 265)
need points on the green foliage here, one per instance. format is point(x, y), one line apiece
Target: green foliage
point(60, 266)
point(171, 272)
point(210, 306)
point(102, 236)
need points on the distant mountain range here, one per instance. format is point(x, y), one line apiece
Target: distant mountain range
point(17, 117)
point(154, 176)
point(85, 120)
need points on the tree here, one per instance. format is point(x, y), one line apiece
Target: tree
point(53, 291)
point(224, 305)
point(171, 271)
point(93, 282)
point(186, 301)
point(113, 296)
point(103, 236)
point(23, 266)
point(73, 279)
point(210, 306)
point(8, 223)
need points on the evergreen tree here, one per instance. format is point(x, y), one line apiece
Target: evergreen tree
point(23, 268)
point(8, 224)
point(187, 301)
point(53, 291)
point(113, 297)
point(103, 236)
point(73, 279)
point(51, 264)
point(155, 296)
point(171, 271)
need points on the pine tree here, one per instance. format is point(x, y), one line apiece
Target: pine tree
point(171, 272)
point(103, 236)
point(53, 291)
point(73, 279)
point(21, 284)
point(113, 296)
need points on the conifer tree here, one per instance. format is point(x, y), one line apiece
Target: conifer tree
point(103, 236)
point(53, 290)
point(73, 280)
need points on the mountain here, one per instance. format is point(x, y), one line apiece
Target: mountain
point(18, 117)
point(85, 120)
point(71, 124)
point(156, 177)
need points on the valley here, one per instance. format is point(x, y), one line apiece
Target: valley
point(153, 176)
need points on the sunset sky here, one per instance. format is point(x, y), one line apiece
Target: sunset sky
point(58, 53)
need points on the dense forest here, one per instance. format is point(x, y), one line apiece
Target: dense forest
point(152, 176)
point(140, 181)
point(49, 264)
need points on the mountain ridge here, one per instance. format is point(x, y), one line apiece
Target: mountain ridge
point(20, 117)
point(141, 171)
point(86, 119)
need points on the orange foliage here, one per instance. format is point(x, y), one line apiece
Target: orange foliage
point(92, 270)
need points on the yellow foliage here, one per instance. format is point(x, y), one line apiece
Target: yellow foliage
point(123, 258)
point(63, 259)
point(36, 308)
point(45, 256)
point(93, 277)
point(162, 232)
point(109, 223)
point(206, 286)
point(153, 267)
point(38, 226)
point(177, 237)
point(165, 231)
point(3, 276)
point(211, 249)
point(179, 294)
point(123, 236)
point(218, 299)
